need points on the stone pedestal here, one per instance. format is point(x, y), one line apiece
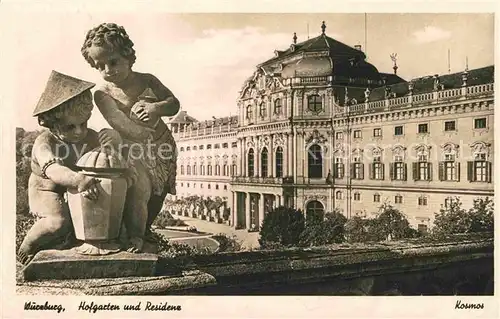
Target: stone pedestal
point(68, 264)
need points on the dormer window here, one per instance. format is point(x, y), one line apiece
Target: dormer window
point(292, 48)
point(315, 103)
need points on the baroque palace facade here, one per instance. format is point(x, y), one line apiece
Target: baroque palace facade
point(319, 128)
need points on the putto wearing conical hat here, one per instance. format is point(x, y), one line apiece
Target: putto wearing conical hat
point(59, 89)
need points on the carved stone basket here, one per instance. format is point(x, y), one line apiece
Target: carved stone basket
point(98, 222)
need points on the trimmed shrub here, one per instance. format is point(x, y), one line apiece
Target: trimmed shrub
point(281, 226)
point(226, 243)
point(165, 219)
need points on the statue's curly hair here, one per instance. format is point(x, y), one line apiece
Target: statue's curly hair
point(112, 35)
point(80, 105)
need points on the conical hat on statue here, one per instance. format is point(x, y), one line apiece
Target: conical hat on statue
point(59, 89)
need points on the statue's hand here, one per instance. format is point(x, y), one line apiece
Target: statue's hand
point(109, 137)
point(88, 186)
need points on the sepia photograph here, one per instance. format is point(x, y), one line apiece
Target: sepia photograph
point(252, 154)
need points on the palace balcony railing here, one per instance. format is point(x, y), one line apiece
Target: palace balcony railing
point(262, 180)
point(418, 99)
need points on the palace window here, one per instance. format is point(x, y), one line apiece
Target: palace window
point(209, 170)
point(200, 147)
point(182, 149)
point(357, 133)
point(234, 170)
point(449, 169)
point(377, 169)
point(398, 169)
point(249, 113)
point(357, 168)
point(226, 170)
point(447, 202)
point(250, 163)
point(377, 132)
point(188, 148)
point(194, 168)
point(315, 208)
point(202, 169)
point(422, 201)
point(182, 169)
point(234, 144)
point(225, 187)
point(279, 162)
point(315, 161)
point(422, 229)
point(449, 126)
point(209, 146)
point(339, 167)
point(398, 199)
point(217, 170)
point(357, 196)
point(224, 145)
point(263, 109)
point(209, 187)
point(338, 195)
point(314, 103)
point(263, 162)
point(423, 128)
point(480, 123)
point(479, 170)
point(422, 169)
point(216, 186)
point(376, 198)
point(194, 148)
point(216, 146)
point(398, 130)
point(277, 106)
point(339, 135)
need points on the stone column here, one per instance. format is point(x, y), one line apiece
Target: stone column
point(243, 157)
point(261, 209)
point(289, 158)
point(270, 160)
point(247, 211)
point(257, 157)
point(233, 207)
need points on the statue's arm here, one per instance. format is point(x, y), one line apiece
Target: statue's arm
point(48, 154)
point(167, 104)
point(119, 120)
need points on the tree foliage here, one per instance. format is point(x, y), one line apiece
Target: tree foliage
point(454, 219)
point(281, 226)
point(322, 230)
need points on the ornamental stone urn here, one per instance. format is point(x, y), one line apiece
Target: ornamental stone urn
point(97, 222)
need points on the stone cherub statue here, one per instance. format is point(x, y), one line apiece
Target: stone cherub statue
point(64, 108)
point(133, 104)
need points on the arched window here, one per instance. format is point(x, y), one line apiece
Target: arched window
point(263, 109)
point(217, 170)
point(234, 170)
point(182, 169)
point(315, 209)
point(209, 170)
point(188, 169)
point(194, 168)
point(338, 195)
point(279, 162)
point(277, 106)
point(202, 169)
point(225, 170)
point(249, 113)
point(250, 168)
point(314, 103)
point(315, 162)
point(263, 162)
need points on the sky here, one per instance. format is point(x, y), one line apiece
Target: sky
point(205, 58)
